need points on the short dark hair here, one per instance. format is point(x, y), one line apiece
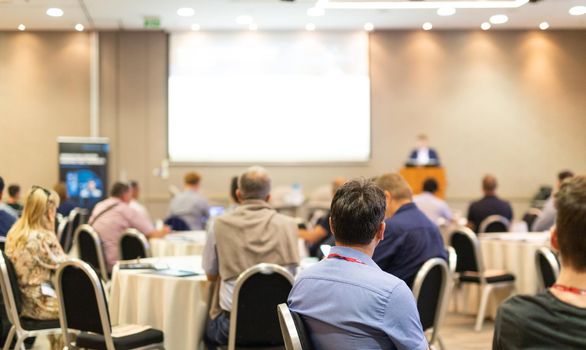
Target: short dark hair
point(565, 174)
point(13, 190)
point(118, 189)
point(489, 183)
point(430, 185)
point(570, 202)
point(1, 186)
point(133, 184)
point(357, 210)
point(233, 188)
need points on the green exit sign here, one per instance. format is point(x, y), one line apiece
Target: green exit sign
point(152, 22)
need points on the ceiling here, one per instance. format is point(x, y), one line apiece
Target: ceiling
point(268, 15)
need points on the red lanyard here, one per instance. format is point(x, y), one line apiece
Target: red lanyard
point(572, 290)
point(341, 257)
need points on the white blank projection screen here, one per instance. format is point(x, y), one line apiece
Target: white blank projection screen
point(269, 97)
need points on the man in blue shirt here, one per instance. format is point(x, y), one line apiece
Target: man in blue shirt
point(346, 300)
point(410, 237)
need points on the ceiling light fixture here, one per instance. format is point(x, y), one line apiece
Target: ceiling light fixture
point(499, 19)
point(427, 26)
point(79, 27)
point(485, 26)
point(195, 27)
point(244, 19)
point(315, 11)
point(54, 12)
point(310, 27)
point(577, 10)
point(411, 5)
point(21, 27)
point(186, 12)
point(446, 11)
point(543, 25)
point(369, 27)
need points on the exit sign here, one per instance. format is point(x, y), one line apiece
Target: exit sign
point(152, 22)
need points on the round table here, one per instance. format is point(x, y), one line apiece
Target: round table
point(175, 305)
point(179, 244)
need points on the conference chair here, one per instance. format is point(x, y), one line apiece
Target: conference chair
point(176, 223)
point(470, 270)
point(75, 219)
point(530, 216)
point(494, 223)
point(133, 245)
point(83, 308)
point(22, 327)
point(548, 267)
point(430, 289)
point(293, 329)
point(253, 320)
point(90, 249)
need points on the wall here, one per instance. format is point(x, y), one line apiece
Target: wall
point(44, 93)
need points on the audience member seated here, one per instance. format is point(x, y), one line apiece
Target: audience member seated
point(435, 208)
point(555, 319)
point(346, 300)
point(189, 205)
point(489, 205)
point(423, 155)
point(134, 203)
point(6, 219)
point(5, 207)
point(321, 233)
point(410, 237)
point(252, 233)
point(112, 216)
point(547, 217)
point(13, 200)
point(33, 248)
point(66, 205)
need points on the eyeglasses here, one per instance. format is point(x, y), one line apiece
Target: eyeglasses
point(35, 187)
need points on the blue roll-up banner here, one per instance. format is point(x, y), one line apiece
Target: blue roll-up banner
point(83, 167)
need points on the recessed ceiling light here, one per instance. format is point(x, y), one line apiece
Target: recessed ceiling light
point(446, 11)
point(54, 12)
point(21, 27)
point(253, 27)
point(485, 26)
point(543, 25)
point(79, 27)
point(186, 12)
point(315, 11)
point(499, 19)
point(369, 27)
point(577, 10)
point(427, 26)
point(195, 27)
point(244, 19)
point(310, 27)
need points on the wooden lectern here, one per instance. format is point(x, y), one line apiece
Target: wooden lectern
point(415, 176)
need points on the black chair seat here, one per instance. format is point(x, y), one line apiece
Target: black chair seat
point(507, 277)
point(96, 341)
point(34, 325)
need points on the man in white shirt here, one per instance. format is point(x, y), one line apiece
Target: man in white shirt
point(436, 209)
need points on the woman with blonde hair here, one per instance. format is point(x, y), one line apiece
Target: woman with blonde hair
point(33, 248)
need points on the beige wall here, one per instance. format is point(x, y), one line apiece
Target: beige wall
point(44, 93)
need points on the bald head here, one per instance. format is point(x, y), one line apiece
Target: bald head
point(489, 185)
point(254, 183)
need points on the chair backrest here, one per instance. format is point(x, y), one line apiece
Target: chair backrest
point(64, 234)
point(452, 259)
point(467, 248)
point(82, 300)
point(176, 223)
point(133, 245)
point(10, 290)
point(90, 249)
point(293, 329)
point(494, 223)
point(76, 219)
point(429, 290)
point(548, 267)
point(258, 291)
point(530, 216)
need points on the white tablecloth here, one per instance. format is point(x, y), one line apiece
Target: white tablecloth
point(179, 244)
point(175, 305)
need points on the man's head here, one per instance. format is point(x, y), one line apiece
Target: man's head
point(254, 183)
point(396, 190)
point(14, 192)
point(430, 185)
point(134, 189)
point(121, 191)
point(1, 186)
point(192, 180)
point(562, 175)
point(61, 189)
point(570, 233)
point(422, 141)
point(489, 185)
point(357, 213)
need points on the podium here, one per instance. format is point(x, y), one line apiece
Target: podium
point(415, 176)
